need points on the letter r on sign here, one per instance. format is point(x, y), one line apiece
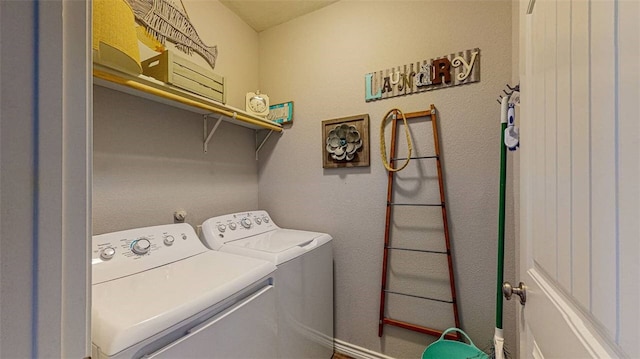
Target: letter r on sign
point(441, 67)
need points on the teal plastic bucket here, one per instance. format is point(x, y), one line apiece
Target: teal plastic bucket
point(453, 349)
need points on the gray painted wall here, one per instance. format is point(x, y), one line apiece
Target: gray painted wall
point(319, 62)
point(148, 162)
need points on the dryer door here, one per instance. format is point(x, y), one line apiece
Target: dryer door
point(246, 330)
point(279, 246)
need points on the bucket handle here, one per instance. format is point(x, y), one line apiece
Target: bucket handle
point(442, 337)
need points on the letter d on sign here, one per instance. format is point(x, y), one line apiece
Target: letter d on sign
point(368, 96)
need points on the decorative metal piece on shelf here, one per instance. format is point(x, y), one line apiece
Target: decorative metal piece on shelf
point(165, 21)
point(454, 69)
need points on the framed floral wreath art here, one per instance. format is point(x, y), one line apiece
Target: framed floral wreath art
point(345, 142)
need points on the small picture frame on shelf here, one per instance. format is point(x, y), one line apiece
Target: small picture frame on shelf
point(345, 142)
point(281, 113)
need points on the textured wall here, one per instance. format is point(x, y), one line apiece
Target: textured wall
point(148, 157)
point(148, 162)
point(319, 62)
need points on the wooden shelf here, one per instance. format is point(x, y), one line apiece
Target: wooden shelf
point(152, 89)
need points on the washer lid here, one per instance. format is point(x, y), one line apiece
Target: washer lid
point(128, 310)
point(277, 246)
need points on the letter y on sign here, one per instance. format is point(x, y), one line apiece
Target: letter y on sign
point(459, 60)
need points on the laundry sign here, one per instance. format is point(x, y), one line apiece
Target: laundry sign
point(433, 74)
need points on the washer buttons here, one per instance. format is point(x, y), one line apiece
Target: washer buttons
point(107, 253)
point(168, 240)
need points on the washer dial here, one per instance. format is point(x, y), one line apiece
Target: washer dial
point(246, 223)
point(141, 246)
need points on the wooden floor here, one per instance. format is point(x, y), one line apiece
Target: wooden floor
point(340, 356)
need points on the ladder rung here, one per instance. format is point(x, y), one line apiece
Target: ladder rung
point(420, 328)
point(419, 297)
point(413, 158)
point(416, 204)
point(418, 250)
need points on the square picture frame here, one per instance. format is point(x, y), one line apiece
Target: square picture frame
point(345, 142)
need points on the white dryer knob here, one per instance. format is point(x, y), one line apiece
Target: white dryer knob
point(168, 240)
point(258, 221)
point(222, 228)
point(246, 223)
point(107, 253)
point(141, 246)
point(265, 219)
point(232, 226)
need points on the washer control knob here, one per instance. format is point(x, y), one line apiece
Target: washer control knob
point(265, 219)
point(141, 246)
point(232, 226)
point(222, 228)
point(107, 253)
point(168, 240)
point(246, 223)
point(258, 221)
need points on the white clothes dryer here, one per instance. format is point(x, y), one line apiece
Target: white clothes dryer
point(158, 292)
point(303, 280)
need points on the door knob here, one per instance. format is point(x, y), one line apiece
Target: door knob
point(521, 290)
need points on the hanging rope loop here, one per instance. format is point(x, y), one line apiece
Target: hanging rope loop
point(383, 146)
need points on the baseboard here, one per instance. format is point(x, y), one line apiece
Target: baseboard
point(357, 352)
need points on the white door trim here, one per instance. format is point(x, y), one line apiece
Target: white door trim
point(63, 86)
point(77, 88)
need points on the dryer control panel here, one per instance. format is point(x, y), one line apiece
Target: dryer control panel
point(235, 226)
point(118, 254)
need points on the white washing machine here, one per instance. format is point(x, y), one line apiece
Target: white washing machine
point(303, 280)
point(158, 292)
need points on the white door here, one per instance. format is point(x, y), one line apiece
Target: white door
point(579, 170)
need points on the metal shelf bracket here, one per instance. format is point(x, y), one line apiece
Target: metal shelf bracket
point(208, 135)
point(259, 147)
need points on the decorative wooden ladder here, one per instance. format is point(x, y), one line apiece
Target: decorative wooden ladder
point(388, 248)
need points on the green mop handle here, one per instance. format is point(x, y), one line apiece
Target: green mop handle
point(503, 186)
